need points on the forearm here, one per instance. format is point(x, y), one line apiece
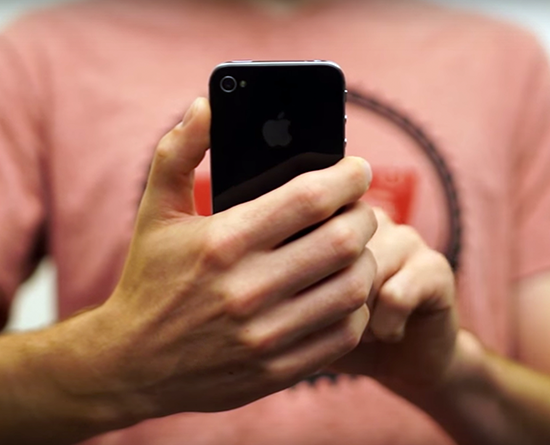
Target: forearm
point(47, 390)
point(488, 400)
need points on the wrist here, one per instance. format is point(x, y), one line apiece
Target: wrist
point(469, 366)
point(60, 384)
point(469, 372)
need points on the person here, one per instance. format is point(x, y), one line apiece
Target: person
point(175, 331)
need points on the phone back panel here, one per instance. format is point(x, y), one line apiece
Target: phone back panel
point(282, 119)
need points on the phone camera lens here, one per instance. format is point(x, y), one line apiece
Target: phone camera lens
point(228, 84)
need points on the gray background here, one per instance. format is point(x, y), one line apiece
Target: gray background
point(35, 303)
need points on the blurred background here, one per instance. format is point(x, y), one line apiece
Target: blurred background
point(35, 303)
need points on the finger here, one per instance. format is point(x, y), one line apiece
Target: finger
point(311, 259)
point(425, 283)
point(320, 350)
point(315, 309)
point(332, 247)
point(303, 202)
point(171, 180)
point(392, 246)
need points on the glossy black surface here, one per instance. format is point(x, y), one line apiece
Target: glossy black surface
point(309, 96)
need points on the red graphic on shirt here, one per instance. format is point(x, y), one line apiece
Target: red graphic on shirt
point(203, 198)
point(392, 189)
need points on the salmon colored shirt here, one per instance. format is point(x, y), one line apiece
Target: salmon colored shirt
point(86, 92)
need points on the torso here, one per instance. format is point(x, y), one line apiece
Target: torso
point(126, 75)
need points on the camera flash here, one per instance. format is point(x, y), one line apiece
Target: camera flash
point(243, 83)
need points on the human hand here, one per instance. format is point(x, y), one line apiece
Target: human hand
point(214, 312)
point(411, 336)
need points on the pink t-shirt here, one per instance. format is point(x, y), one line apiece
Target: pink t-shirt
point(86, 91)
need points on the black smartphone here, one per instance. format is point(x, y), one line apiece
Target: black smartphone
point(272, 121)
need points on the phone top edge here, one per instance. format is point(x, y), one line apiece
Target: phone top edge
point(259, 63)
point(281, 62)
point(278, 63)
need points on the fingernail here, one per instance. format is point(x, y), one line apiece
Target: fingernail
point(368, 170)
point(367, 167)
point(190, 113)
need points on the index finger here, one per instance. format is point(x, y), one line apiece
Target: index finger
point(306, 200)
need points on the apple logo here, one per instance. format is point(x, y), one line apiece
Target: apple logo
point(276, 132)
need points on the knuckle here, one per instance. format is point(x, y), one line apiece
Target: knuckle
point(219, 249)
point(396, 302)
point(349, 337)
point(165, 147)
point(372, 218)
point(240, 302)
point(438, 265)
point(386, 333)
point(236, 306)
point(355, 292)
point(277, 372)
point(345, 242)
point(442, 272)
point(312, 200)
point(258, 342)
point(368, 217)
point(440, 262)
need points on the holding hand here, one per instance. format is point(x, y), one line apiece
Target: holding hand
point(411, 336)
point(213, 313)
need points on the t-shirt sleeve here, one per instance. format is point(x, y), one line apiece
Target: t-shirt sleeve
point(531, 183)
point(22, 191)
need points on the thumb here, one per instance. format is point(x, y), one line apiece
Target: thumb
point(170, 185)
